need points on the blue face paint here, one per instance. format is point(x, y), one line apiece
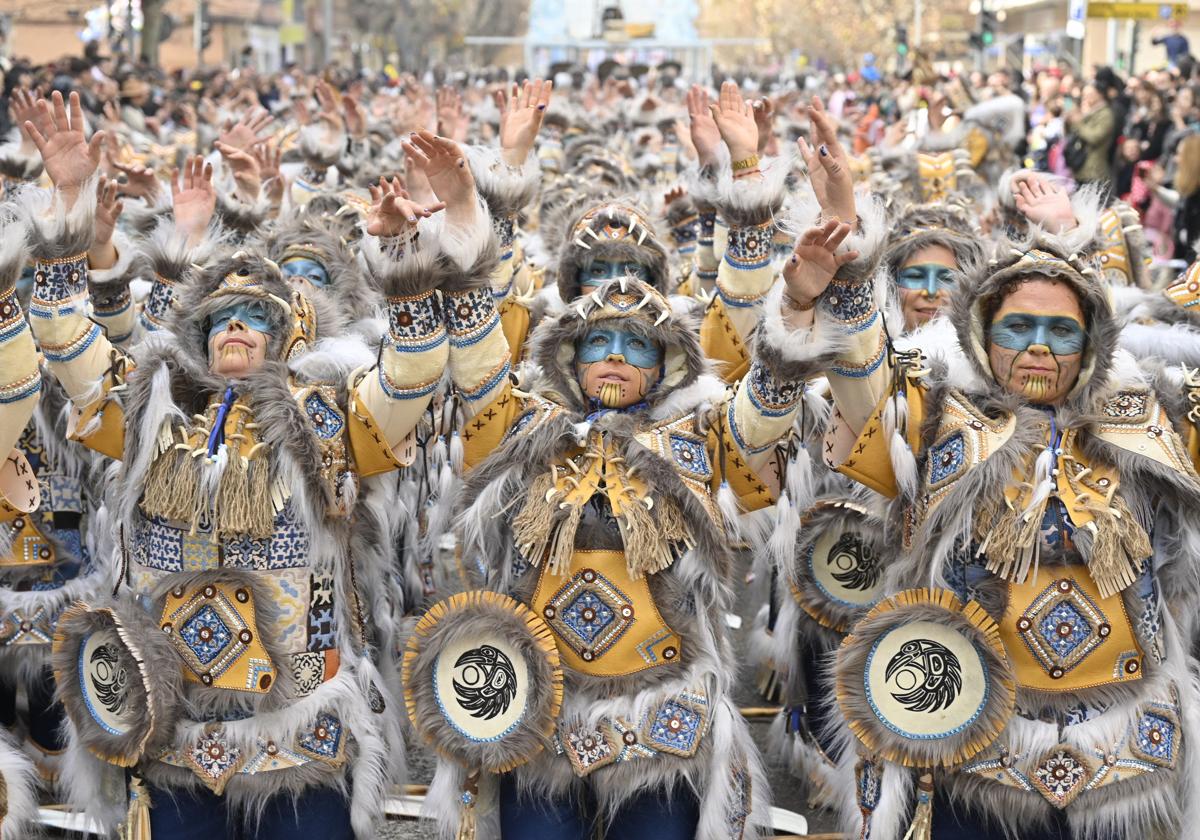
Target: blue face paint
point(599, 344)
point(254, 314)
point(600, 270)
point(310, 270)
point(1020, 331)
point(926, 277)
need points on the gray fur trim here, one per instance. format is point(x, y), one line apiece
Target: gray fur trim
point(20, 788)
point(143, 217)
point(506, 189)
point(743, 202)
point(170, 256)
point(54, 231)
point(240, 218)
point(155, 685)
point(348, 283)
point(980, 290)
point(401, 269)
point(14, 247)
point(107, 284)
point(484, 619)
point(15, 164)
point(320, 147)
point(469, 254)
point(807, 352)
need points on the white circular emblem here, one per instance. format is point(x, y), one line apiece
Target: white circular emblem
point(104, 680)
point(482, 686)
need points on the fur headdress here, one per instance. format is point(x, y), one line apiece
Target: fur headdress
point(634, 306)
point(933, 224)
point(311, 237)
point(618, 232)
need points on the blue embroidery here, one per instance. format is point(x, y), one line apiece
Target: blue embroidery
point(947, 458)
point(1156, 736)
point(324, 738)
point(849, 302)
point(587, 616)
point(770, 396)
point(206, 634)
point(327, 421)
point(1064, 629)
point(690, 455)
point(675, 728)
point(749, 248)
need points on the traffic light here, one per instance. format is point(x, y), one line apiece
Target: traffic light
point(205, 25)
point(902, 40)
point(986, 35)
point(987, 27)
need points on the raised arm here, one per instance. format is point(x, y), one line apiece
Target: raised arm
point(20, 377)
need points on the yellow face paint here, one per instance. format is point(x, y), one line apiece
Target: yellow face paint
point(610, 394)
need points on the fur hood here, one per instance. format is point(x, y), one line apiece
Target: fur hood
point(978, 294)
point(297, 321)
point(933, 224)
point(310, 237)
point(636, 306)
point(621, 232)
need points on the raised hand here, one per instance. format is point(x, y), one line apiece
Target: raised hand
point(706, 137)
point(735, 121)
point(70, 159)
point(1044, 203)
point(416, 182)
point(193, 196)
point(828, 166)
point(356, 118)
point(245, 168)
point(269, 155)
point(521, 116)
point(444, 165)
point(23, 107)
point(764, 119)
point(393, 212)
point(247, 131)
point(813, 263)
point(140, 181)
point(449, 112)
point(330, 113)
point(108, 209)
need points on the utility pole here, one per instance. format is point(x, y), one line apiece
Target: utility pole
point(327, 41)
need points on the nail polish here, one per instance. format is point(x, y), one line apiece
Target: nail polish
point(824, 150)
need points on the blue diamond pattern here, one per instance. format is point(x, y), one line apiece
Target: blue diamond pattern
point(947, 458)
point(689, 454)
point(1064, 613)
point(1162, 748)
point(327, 422)
point(676, 727)
point(327, 746)
point(572, 616)
point(206, 650)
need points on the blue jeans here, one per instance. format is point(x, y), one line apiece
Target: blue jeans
point(653, 815)
point(181, 814)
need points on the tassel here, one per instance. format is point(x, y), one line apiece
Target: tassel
point(470, 794)
point(456, 452)
point(731, 511)
point(1119, 544)
point(904, 464)
point(800, 479)
point(646, 550)
point(782, 542)
point(563, 547)
point(137, 818)
point(533, 525)
point(922, 824)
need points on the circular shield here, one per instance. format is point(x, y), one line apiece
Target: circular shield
point(924, 680)
point(482, 680)
point(839, 564)
point(100, 665)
